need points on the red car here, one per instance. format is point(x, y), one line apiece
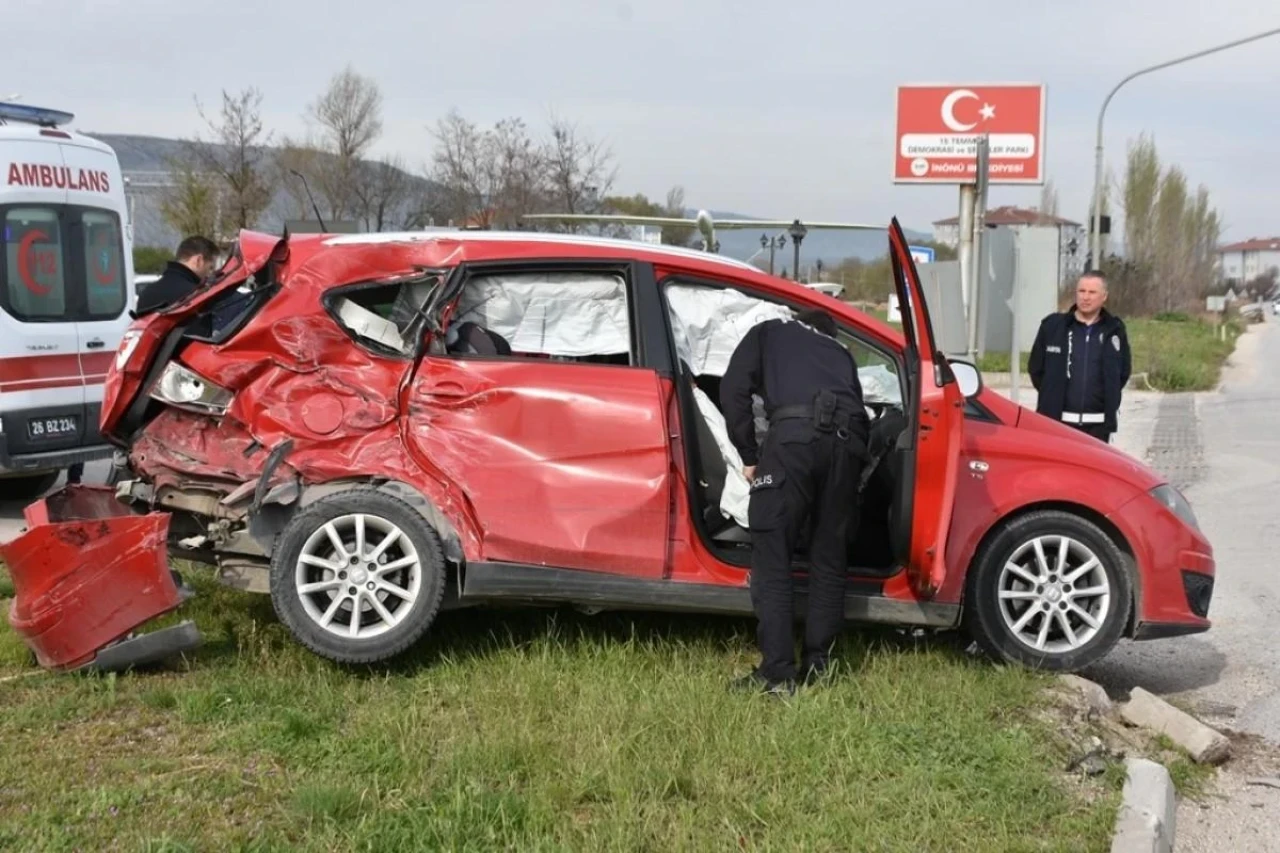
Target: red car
point(374, 427)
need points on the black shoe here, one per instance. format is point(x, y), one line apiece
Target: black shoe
point(754, 682)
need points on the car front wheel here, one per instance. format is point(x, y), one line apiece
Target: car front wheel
point(1050, 590)
point(358, 576)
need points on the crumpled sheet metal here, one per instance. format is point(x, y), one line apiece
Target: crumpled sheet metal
point(85, 574)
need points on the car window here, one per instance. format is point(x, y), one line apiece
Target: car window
point(581, 316)
point(35, 285)
point(708, 322)
point(382, 317)
point(102, 249)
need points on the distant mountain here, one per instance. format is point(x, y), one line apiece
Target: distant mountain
point(145, 159)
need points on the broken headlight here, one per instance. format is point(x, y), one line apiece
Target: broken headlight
point(185, 389)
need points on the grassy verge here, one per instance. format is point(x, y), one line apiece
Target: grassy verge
point(1182, 354)
point(535, 730)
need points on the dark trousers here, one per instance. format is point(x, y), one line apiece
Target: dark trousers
point(1099, 431)
point(813, 478)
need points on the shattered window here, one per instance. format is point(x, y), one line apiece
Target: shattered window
point(384, 315)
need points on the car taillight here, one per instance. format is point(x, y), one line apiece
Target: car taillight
point(178, 386)
point(128, 343)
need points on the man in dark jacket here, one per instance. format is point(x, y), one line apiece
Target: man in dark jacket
point(1080, 362)
point(808, 470)
point(197, 257)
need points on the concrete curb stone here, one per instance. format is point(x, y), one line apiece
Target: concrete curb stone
point(1146, 820)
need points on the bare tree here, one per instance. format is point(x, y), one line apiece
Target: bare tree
point(348, 117)
point(458, 167)
point(1048, 202)
point(193, 205)
point(236, 157)
point(490, 178)
point(381, 189)
point(294, 161)
point(579, 170)
point(1141, 190)
point(1171, 237)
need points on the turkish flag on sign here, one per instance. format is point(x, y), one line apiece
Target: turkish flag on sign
point(938, 128)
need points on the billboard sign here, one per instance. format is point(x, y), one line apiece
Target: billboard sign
point(938, 126)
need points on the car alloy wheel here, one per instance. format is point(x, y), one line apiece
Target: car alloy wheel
point(1050, 590)
point(357, 576)
point(1054, 594)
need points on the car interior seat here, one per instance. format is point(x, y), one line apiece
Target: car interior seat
point(474, 339)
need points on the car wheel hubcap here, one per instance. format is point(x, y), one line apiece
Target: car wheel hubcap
point(1054, 595)
point(358, 576)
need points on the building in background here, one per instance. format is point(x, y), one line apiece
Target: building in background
point(1072, 243)
point(1240, 263)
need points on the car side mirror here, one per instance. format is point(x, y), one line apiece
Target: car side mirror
point(968, 377)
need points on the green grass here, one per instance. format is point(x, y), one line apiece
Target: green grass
point(1177, 352)
point(535, 730)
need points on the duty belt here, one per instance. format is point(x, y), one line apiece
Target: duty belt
point(1084, 417)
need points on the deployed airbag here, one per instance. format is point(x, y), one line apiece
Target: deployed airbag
point(559, 314)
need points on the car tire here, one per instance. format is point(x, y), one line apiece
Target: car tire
point(1008, 579)
point(28, 488)
point(397, 586)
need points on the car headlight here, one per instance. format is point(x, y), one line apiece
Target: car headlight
point(185, 389)
point(1176, 504)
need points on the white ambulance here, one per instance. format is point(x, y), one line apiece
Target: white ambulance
point(65, 293)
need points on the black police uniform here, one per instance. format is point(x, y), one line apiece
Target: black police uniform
point(174, 284)
point(1080, 370)
point(808, 468)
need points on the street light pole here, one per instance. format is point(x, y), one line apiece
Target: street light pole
point(797, 232)
point(1095, 245)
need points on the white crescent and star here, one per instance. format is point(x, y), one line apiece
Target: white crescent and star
point(987, 112)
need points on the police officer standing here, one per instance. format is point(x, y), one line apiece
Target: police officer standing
point(808, 469)
point(1080, 362)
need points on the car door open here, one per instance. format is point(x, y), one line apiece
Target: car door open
point(930, 446)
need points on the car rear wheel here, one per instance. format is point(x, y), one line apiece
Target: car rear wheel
point(1050, 590)
point(358, 576)
point(28, 488)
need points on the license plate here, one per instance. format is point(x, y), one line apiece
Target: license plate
point(56, 427)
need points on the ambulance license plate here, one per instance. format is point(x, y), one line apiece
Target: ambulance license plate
point(56, 427)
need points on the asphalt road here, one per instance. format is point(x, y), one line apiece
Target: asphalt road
point(1223, 449)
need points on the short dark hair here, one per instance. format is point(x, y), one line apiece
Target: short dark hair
point(819, 319)
point(1099, 276)
point(197, 245)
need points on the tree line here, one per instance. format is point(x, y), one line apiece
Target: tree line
point(226, 177)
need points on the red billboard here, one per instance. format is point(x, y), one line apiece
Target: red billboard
point(938, 127)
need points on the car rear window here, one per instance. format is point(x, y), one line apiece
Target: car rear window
point(62, 263)
point(35, 286)
point(102, 247)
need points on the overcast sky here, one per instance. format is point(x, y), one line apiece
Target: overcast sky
point(767, 109)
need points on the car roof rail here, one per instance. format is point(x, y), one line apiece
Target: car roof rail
point(28, 114)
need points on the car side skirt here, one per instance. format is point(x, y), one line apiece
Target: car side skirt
point(510, 582)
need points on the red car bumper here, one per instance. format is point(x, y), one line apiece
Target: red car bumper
point(86, 574)
point(1175, 570)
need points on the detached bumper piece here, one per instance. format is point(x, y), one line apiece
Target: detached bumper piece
point(86, 575)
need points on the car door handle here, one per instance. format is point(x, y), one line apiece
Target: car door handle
point(95, 344)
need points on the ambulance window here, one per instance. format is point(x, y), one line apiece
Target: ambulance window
point(102, 263)
point(34, 276)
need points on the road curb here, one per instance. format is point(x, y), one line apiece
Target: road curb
point(1146, 819)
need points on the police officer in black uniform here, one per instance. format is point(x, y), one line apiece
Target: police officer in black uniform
point(1080, 362)
point(808, 470)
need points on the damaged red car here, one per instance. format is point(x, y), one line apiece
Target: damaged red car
point(370, 428)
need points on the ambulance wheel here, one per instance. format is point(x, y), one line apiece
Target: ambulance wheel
point(1049, 590)
point(358, 576)
point(28, 488)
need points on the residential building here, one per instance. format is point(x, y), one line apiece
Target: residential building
point(1072, 244)
point(1240, 263)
